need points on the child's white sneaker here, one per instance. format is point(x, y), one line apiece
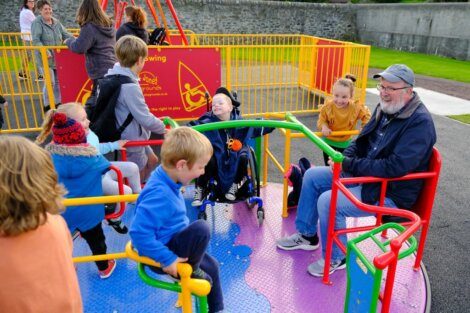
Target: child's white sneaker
point(197, 200)
point(230, 195)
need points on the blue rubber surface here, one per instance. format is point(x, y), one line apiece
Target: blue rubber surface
point(125, 292)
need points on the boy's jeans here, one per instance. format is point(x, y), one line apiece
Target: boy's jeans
point(314, 205)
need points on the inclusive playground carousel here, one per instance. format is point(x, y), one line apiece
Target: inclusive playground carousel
point(384, 271)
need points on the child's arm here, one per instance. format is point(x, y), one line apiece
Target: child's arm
point(135, 101)
point(322, 123)
point(145, 230)
point(364, 114)
point(83, 42)
point(107, 147)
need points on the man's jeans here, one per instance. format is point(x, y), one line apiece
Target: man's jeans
point(314, 205)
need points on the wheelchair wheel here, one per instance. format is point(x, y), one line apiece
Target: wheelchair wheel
point(260, 216)
point(253, 173)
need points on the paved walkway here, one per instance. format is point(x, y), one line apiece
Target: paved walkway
point(438, 103)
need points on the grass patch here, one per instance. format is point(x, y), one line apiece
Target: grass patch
point(464, 118)
point(429, 65)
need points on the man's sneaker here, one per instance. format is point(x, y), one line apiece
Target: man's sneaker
point(40, 78)
point(22, 76)
point(107, 272)
point(297, 242)
point(118, 226)
point(230, 195)
point(197, 201)
point(316, 268)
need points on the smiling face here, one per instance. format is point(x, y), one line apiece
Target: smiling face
point(30, 4)
point(341, 95)
point(46, 12)
point(391, 101)
point(222, 106)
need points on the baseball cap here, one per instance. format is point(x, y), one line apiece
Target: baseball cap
point(396, 72)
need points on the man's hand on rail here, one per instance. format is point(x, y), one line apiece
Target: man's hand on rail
point(331, 164)
point(172, 269)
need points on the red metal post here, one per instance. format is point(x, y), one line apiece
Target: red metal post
point(177, 22)
point(331, 223)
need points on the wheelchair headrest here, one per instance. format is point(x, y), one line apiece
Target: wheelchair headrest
point(232, 97)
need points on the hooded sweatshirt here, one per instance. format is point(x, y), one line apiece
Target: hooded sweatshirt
point(130, 28)
point(131, 100)
point(80, 169)
point(97, 43)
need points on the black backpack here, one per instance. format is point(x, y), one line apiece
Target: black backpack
point(157, 37)
point(103, 117)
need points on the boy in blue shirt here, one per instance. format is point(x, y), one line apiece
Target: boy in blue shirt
point(161, 229)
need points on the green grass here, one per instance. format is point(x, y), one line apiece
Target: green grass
point(464, 118)
point(429, 65)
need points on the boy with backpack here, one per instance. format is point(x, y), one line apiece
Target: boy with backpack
point(132, 117)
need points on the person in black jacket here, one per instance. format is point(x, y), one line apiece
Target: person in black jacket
point(398, 140)
point(136, 24)
point(229, 162)
point(96, 41)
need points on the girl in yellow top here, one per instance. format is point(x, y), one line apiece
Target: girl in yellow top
point(341, 113)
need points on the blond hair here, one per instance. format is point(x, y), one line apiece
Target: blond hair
point(128, 50)
point(69, 109)
point(184, 143)
point(137, 15)
point(90, 11)
point(348, 81)
point(29, 186)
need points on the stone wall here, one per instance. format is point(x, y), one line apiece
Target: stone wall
point(434, 28)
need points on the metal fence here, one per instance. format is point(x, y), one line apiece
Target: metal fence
point(271, 73)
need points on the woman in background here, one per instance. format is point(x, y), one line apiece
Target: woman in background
point(96, 41)
point(48, 31)
point(26, 19)
point(136, 24)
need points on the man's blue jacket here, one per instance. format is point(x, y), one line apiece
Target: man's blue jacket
point(406, 148)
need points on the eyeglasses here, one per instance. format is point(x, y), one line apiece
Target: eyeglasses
point(389, 89)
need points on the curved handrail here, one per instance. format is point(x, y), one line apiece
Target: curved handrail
point(122, 205)
point(290, 122)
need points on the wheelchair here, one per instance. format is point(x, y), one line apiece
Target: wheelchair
point(248, 191)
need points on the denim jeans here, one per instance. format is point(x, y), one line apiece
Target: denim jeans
point(55, 89)
point(314, 206)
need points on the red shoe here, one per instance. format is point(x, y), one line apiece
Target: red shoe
point(107, 272)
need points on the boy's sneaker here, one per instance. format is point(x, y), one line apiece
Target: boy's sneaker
point(40, 78)
point(230, 195)
point(316, 268)
point(22, 76)
point(200, 274)
point(118, 226)
point(197, 201)
point(107, 272)
point(298, 242)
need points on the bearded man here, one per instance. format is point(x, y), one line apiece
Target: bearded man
point(398, 140)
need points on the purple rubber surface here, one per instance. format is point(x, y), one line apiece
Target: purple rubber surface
point(281, 276)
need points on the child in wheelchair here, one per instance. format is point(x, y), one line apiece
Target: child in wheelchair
point(228, 165)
